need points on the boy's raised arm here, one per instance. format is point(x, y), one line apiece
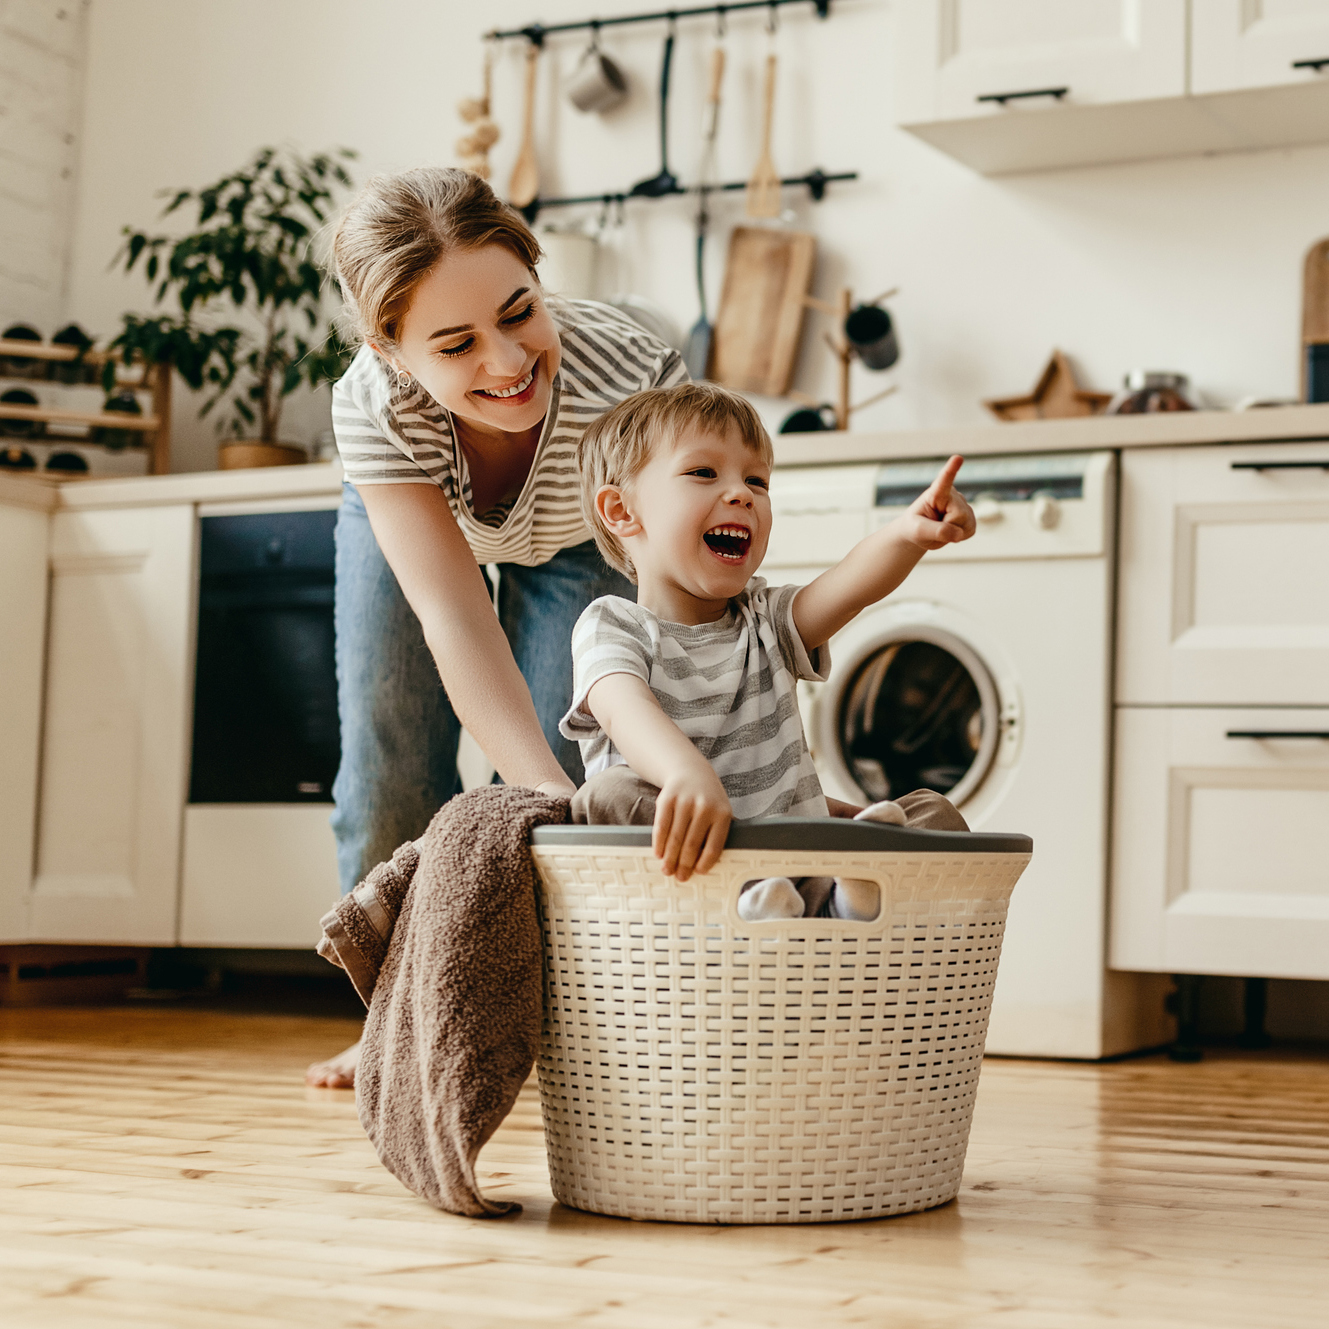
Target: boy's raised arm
point(874, 567)
point(692, 812)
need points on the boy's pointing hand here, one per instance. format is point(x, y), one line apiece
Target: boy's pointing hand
point(940, 515)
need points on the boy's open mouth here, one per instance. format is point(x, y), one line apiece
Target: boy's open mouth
point(730, 543)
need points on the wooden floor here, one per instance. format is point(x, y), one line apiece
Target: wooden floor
point(169, 1169)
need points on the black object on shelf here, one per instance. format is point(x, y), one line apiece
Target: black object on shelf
point(67, 463)
point(814, 181)
point(20, 364)
point(73, 371)
point(537, 32)
point(21, 428)
point(265, 682)
point(809, 420)
point(17, 459)
point(125, 403)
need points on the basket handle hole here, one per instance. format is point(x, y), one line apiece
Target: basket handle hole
point(850, 899)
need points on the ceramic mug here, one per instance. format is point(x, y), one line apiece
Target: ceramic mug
point(598, 83)
point(868, 330)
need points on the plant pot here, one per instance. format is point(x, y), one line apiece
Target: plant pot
point(239, 456)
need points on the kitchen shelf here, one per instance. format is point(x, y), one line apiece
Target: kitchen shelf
point(59, 416)
point(154, 428)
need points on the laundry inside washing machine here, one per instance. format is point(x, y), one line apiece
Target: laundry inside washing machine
point(914, 716)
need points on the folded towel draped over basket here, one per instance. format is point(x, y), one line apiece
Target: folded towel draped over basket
point(443, 944)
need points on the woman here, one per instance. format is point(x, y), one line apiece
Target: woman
point(457, 425)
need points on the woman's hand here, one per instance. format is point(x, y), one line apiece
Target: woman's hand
point(556, 788)
point(692, 816)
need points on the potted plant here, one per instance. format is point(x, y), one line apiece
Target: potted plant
point(251, 252)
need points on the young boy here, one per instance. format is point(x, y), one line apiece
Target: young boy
point(684, 703)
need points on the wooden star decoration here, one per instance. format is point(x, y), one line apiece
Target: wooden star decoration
point(1056, 396)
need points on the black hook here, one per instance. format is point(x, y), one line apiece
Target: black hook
point(823, 8)
point(816, 183)
point(535, 34)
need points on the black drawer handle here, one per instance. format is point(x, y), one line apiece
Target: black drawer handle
point(1001, 98)
point(1278, 733)
point(1316, 65)
point(1281, 465)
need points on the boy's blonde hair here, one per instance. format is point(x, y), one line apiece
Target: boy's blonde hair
point(621, 441)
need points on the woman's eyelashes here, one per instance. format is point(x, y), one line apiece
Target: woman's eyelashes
point(462, 347)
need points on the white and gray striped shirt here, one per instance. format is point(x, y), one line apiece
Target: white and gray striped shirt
point(729, 686)
point(390, 437)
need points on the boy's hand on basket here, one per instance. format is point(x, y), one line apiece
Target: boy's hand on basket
point(692, 816)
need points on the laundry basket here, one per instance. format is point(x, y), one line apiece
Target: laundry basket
point(698, 1068)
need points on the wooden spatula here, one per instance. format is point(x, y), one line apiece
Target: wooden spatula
point(525, 182)
point(763, 193)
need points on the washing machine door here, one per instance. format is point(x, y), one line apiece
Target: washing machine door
point(918, 710)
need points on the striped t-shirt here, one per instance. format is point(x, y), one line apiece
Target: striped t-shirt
point(729, 686)
point(389, 436)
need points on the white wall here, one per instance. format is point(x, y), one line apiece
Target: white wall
point(41, 81)
point(1192, 265)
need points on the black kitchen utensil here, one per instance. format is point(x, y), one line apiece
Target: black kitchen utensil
point(810, 420)
point(697, 352)
point(869, 331)
point(665, 182)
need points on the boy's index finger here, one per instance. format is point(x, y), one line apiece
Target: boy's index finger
point(945, 481)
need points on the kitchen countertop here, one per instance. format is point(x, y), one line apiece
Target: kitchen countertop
point(1183, 428)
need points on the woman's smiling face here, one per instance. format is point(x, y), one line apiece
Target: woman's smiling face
point(479, 339)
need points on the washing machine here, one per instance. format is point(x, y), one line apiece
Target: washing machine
point(986, 676)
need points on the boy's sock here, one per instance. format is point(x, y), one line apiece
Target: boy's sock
point(890, 814)
point(771, 897)
point(855, 899)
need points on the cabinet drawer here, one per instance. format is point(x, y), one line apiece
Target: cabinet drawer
point(1221, 842)
point(1237, 44)
point(1224, 590)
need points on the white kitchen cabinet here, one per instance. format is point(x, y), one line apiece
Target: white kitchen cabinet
point(1137, 79)
point(1257, 43)
point(24, 532)
point(1224, 597)
point(963, 53)
point(117, 725)
point(1221, 841)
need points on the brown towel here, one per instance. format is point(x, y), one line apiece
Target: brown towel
point(454, 1015)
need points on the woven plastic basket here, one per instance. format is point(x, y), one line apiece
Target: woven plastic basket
point(697, 1068)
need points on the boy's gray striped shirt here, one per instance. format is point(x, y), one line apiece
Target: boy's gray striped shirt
point(389, 437)
point(729, 686)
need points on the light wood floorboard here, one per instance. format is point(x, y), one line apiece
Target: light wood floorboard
point(168, 1168)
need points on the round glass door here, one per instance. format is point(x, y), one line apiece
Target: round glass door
point(920, 712)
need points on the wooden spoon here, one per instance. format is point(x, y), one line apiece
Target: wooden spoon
point(525, 182)
point(763, 192)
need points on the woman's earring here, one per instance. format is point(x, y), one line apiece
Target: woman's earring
point(403, 380)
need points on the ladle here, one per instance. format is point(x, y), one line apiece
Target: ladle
point(665, 182)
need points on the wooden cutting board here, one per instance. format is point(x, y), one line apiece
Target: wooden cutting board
point(766, 278)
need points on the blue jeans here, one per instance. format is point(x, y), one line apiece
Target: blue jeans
point(399, 733)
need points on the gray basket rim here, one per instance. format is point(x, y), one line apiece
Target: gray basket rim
point(812, 834)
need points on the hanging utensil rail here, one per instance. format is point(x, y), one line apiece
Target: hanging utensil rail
point(814, 181)
point(537, 32)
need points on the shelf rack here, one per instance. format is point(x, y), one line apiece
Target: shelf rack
point(155, 426)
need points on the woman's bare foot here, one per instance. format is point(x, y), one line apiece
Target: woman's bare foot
point(337, 1072)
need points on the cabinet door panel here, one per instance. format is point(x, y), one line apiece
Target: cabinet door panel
point(955, 52)
point(1224, 598)
point(23, 538)
point(116, 729)
point(1221, 844)
point(1256, 43)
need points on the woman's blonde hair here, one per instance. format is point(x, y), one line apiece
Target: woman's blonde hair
point(619, 443)
point(398, 227)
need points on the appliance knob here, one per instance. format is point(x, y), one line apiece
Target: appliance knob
point(1044, 511)
point(988, 510)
